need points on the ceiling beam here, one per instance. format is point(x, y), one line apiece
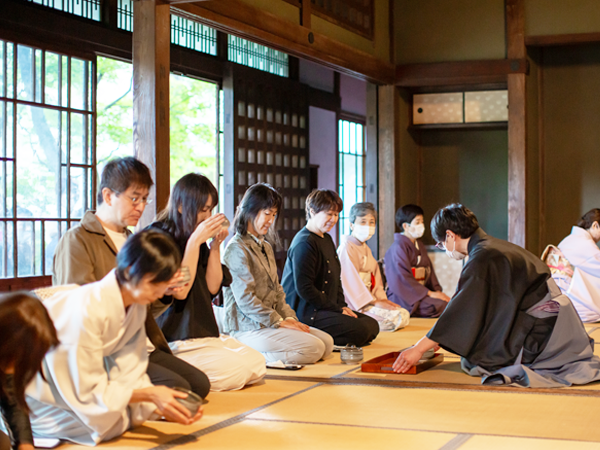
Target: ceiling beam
point(241, 19)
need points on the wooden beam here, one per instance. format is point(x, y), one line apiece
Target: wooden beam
point(387, 114)
point(306, 14)
point(324, 100)
point(25, 283)
point(50, 29)
point(517, 126)
point(459, 72)
point(249, 22)
point(151, 62)
point(562, 39)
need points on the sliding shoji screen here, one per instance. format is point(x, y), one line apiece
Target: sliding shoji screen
point(266, 140)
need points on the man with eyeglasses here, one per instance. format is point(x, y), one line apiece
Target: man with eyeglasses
point(508, 320)
point(88, 252)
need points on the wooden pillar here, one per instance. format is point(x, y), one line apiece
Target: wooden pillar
point(151, 64)
point(517, 126)
point(387, 165)
point(371, 163)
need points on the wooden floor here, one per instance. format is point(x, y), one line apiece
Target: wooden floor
point(334, 406)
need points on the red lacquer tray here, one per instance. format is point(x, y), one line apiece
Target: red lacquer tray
point(383, 364)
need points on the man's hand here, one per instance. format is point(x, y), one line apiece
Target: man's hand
point(406, 360)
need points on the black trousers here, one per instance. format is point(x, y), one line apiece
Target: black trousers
point(168, 370)
point(345, 329)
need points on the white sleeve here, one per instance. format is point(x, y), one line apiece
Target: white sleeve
point(357, 295)
point(95, 388)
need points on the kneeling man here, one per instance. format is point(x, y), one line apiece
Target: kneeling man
point(508, 320)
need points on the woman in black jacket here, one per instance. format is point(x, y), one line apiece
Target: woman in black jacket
point(311, 277)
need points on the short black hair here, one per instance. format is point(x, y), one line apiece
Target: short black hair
point(258, 197)
point(121, 173)
point(361, 210)
point(589, 218)
point(323, 200)
point(149, 252)
point(407, 213)
point(455, 217)
point(188, 197)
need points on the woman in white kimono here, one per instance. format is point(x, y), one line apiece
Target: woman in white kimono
point(361, 278)
point(95, 385)
point(580, 249)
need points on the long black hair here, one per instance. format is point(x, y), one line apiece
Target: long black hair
point(26, 333)
point(258, 197)
point(188, 198)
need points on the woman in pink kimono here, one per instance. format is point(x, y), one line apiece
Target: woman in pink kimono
point(361, 278)
point(580, 249)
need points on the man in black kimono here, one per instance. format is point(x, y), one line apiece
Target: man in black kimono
point(508, 320)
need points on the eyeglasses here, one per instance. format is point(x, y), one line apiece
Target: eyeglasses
point(441, 246)
point(135, 201)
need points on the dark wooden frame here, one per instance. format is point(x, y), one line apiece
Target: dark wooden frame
point(266, 137)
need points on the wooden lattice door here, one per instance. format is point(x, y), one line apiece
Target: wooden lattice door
point(266, 140)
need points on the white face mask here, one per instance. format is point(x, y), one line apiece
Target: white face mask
point(416, 231)
point(363, 232)
point(458, 256)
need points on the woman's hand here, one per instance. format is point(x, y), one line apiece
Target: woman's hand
point(407, 359)
point(176, 283)
point(385, 304)
point(348, 312)
point(293, 324)
point(219, 238)
point(439, 295)
point(166, 404)
point(208, 228)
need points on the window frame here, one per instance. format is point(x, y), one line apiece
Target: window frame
point(89, 117)
point(356, 119)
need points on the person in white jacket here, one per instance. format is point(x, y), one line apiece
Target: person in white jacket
point(361, 277)
point(581, 250)
point(94, 385)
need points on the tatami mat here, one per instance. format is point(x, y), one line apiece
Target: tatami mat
point(262, 435)
point(471, 412)
point(384, 343)
point(504, 443)
point(220, 407)
point(291, 410)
